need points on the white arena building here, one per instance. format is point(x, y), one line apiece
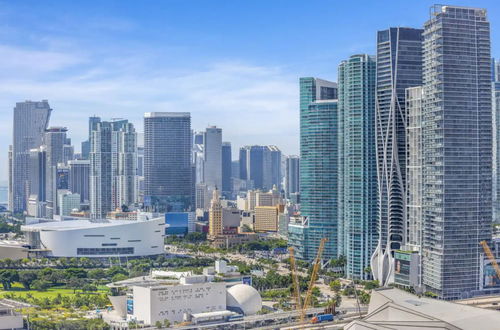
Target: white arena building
point(97, 238)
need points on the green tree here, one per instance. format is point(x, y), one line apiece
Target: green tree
point(40, 285)
point(166, 323)
point(7, 277)
point(27, 277)
point(158, 325)
point(96, 274)
point(119, 277)
point(335, 285)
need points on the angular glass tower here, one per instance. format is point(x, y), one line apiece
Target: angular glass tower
point(399, 66)
point(30, 121)
point(318, 170)
point(457, 153)
point(358, 166)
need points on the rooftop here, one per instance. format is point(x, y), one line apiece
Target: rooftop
point(78, 224)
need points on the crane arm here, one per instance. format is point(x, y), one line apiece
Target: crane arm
point(317, 264)
point(492, 258)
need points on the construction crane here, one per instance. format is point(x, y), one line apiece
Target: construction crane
point(492, 258)
point(295, 279)
point(317, 264)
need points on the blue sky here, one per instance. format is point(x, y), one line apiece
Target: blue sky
point(234, 64)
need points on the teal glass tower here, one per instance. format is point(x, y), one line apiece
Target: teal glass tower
point(318, 170)
point(357, 168)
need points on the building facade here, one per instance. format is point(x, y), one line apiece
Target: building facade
point(31, 119)
point(226, 169)
point(357, 202)
point(212, 141)
point(318, 170)
point(168, 173)
point(457, 149)
point(399, 66)
point(79, 180)
point(292, 165)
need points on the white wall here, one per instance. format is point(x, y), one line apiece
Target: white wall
point(146, 237)
point(171, 302)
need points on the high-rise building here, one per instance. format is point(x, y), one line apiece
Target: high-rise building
point(357, 197)
point(79, 181)
point(495, 88)
point(86, 144)
point(212, 142)
point(54, 141)
point(261, 165)
point(100, 170)
point(30, 121)
point(37, 183)
point(113, 162)
point(215, 226)
point(457, 149)
point(10, 188)
point(126, 176)
point(168, 173)
point(292, 164)
point(67, 202)
point(318, 170)
point(414, 163)
point(399, 66)
point(226, 169)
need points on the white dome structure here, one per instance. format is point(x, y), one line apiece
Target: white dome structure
point(244, 299)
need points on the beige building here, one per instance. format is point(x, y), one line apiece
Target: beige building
point(215, 225)
point(266, 218)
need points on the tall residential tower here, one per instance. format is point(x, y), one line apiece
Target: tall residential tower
point(399, 66)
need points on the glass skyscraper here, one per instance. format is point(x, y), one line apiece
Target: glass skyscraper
point(30, 121)
point(457, 149)
point(399, 66)
point(318, 170)
point(357, 167)
point(168, 173)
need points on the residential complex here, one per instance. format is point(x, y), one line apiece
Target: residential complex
point(357, 201)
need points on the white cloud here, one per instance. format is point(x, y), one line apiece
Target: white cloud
point(253, 104)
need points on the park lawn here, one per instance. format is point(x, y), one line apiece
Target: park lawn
point(51, 293)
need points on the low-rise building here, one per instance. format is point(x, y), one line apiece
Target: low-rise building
point(266, 218)
point(97, 238)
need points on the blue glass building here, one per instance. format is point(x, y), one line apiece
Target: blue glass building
point(318, 170)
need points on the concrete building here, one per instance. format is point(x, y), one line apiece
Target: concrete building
point(266, 218)
point(202, 196)
point(261, 165)
point(457, 153)
point(357, 212)
point(292, 165)
point(97, 239)
point(101, 170)
point(37, 182)
point(215, 227)
point(9, 317)
point(67, 202)
point(319, 161)
point(79, 180)
point(31, 119)
point(226, 169)
point(399, 66)
point(168, 172)
point(212, 141)
point(54, 141)
point(396, 309)
point(86, 144)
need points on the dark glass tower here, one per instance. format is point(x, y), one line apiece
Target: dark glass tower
point(399, 66)
point(168, 173)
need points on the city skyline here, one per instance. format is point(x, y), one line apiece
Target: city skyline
point(156, 67)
